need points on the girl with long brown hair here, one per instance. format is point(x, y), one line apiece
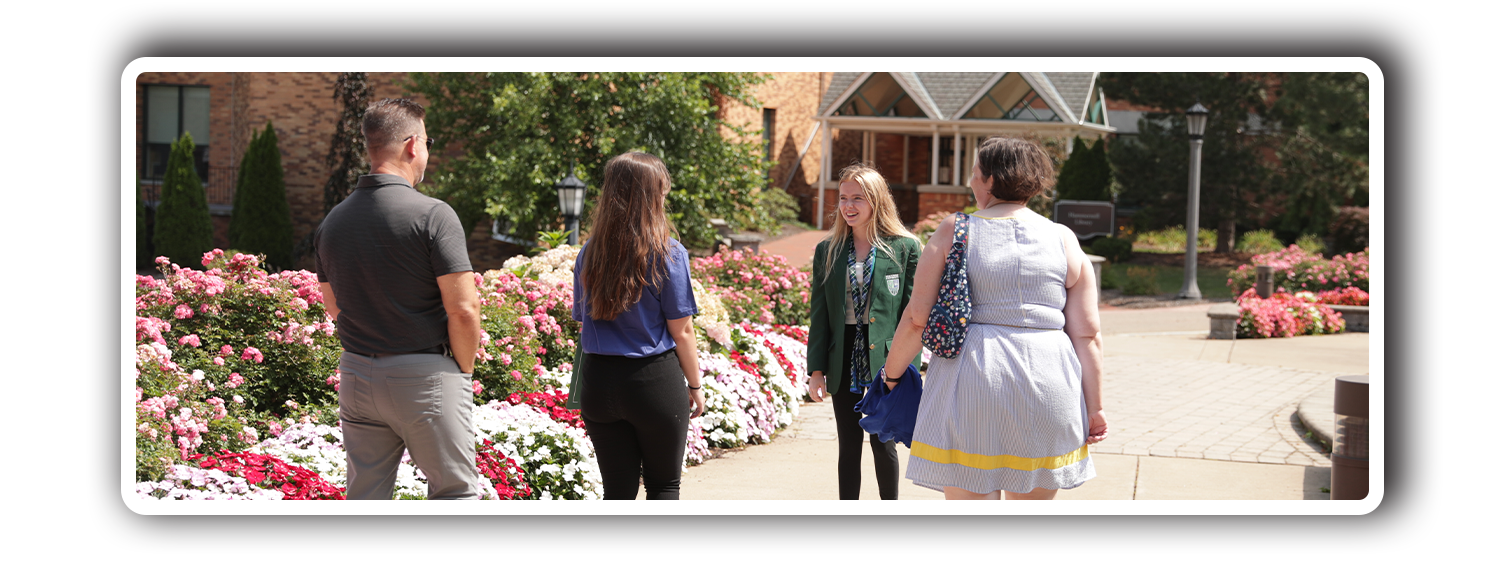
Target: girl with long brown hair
point(633, 294)
point(862, 276)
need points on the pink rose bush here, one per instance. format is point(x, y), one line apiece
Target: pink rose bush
point(1298, 270)
point(1285, 314)
point(235, 363)
point(759, 287)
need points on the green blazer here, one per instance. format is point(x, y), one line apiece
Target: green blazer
point(825, 341)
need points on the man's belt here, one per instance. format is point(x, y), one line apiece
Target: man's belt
point(440, 349)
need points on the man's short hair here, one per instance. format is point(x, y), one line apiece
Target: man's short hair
point(389, 121)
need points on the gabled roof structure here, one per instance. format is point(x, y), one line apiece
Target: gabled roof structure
point(1047, 103)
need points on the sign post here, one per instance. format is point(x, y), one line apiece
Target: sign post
point(1086, 218)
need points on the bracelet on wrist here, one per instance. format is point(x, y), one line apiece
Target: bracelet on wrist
point(695, 388)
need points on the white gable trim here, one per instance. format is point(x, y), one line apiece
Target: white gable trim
point(979, 95)
point(1043, 87)
point(918, 94)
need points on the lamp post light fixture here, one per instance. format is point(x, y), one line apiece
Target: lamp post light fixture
point(1197, 119)
point(570, 200)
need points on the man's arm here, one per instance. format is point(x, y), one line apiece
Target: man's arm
point(329, 303)
point(461, 300)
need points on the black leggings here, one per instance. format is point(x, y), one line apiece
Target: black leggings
point(851, 437)
point(636, 412)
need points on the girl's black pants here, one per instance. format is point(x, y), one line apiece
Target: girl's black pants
point(852, 437)
point(636, 411)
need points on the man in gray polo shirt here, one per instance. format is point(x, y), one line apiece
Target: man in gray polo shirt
point(395, 274)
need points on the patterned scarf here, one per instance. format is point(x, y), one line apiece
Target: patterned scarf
point(859, 293)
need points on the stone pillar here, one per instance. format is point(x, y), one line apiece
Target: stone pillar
point(1264, 280)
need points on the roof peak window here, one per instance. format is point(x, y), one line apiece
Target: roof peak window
point(881, 95)
point(1012, 98)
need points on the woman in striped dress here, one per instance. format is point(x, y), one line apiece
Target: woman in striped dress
point(1013, 414)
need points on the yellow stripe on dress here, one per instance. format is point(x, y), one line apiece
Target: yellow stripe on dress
point(986, 462)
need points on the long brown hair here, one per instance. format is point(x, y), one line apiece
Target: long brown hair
point(630, 237)
point(885, 222)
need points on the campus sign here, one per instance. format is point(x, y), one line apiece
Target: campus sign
point(1086, 218)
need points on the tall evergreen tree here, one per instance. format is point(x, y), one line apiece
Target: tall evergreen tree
point(1086, 174)
point(261, 222)
point(347, 157)
point(184, 230)
point(143, 255)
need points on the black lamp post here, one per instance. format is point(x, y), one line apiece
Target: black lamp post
point(570, 200)
point(1197, 119)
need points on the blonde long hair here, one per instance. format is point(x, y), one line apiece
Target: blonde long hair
point(885, 222)
point(631, 236)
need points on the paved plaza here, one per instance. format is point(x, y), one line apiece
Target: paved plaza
point(1190, 418)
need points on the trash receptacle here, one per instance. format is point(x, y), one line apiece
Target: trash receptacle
point(1351, 448)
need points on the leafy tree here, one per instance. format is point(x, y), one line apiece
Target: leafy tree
point(1086, 174)
point(1323, 121)
point(261, 222)
point(1153, 171)
point(184, 230)
point(1281, 149)
point(520, 132)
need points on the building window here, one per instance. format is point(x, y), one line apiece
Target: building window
point(768, 134)
point(170, 112)
point(881, 95)
point(1012, 99)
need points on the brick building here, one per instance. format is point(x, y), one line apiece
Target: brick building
point(914, 127)
point(919, 128)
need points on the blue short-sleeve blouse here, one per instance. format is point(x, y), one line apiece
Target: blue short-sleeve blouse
point(641, 330)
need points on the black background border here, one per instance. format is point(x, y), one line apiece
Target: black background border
point(1400, 41)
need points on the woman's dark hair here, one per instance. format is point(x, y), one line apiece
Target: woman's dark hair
point(630, 237)
point(1019, 169)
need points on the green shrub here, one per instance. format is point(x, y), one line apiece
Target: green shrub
point(1109, 277)
point(262, 220)
point(1115, 250)
point(1258, 242)
point(184, 231)
point(1140, 281)
point(1174, 239)
point(1312, 243)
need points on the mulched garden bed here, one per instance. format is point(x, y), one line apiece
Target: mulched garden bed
point(1210, 259)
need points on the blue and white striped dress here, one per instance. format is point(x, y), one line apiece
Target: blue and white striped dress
point(1008, 412)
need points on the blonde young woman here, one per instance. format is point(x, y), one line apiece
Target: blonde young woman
point(862, 280)
point(1010, 417)
point(633, 294)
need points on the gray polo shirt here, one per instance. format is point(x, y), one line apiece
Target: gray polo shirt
point(382, 250)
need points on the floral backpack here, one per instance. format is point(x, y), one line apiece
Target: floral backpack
point(947, 324)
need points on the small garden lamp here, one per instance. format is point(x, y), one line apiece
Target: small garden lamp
point(570, 200)
point(1197, 120)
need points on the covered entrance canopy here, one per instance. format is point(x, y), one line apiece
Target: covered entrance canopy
point(940, 116)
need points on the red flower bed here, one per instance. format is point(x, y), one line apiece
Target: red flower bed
point(503, 472)
point(270, 472)
point(1345, 296)
point(550, 401)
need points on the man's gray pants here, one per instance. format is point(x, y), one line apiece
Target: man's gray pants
point(420, 403)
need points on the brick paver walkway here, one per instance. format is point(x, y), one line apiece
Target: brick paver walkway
point(1207, 410)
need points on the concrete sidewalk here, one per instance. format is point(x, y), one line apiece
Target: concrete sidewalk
point(1190, 419)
